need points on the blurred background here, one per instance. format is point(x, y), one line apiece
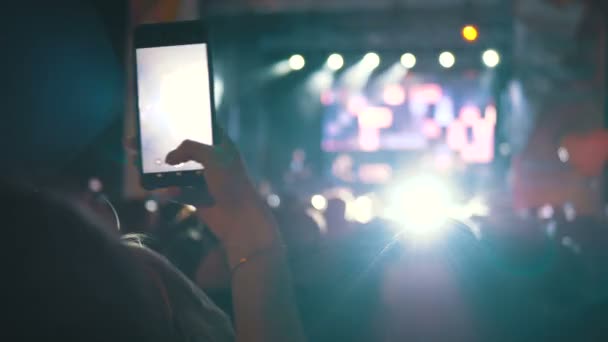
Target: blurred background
point(501, 98)
point(348, 113)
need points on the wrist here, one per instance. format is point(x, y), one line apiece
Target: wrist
point(269, 256)
point(245, 240)
point(247, 245)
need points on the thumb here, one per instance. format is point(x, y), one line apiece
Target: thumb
point(190, 150)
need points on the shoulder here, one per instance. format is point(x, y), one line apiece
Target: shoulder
point(195, 314)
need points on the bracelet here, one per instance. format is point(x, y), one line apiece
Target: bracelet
point(254, 255)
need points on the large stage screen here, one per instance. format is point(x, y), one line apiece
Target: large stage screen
point(451, 119)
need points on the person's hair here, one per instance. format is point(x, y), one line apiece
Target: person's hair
point(68, 280)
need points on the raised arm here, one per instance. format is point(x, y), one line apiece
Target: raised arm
point(264, 306)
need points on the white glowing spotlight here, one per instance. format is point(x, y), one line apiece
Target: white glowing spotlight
point(356, 77)
point(408, 60)
point(371, 61)
point(447, 59)
point(297, 62)
point(318, 202)
point(335, 62)
point(491, 58)
point(422, 205)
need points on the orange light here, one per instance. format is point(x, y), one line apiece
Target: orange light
point(470, 33)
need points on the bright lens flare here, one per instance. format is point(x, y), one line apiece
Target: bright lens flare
point(422, 204)
point(297, 62)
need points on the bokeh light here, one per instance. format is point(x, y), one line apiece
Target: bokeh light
point(371, 61)
point(408, 60)
point(335, 62)
point(318, 202)
point(95, 185)
point(151, 206)
point(362, 209)
point(394, 95)
point(297, 62)
point(563, 154)
point(470, 33)
point(273, 200)
point(447, 59)
point(491, 58)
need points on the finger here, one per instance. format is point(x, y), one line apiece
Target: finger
point(191, 151)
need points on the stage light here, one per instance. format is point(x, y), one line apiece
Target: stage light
point(422, 204)
point(408, 60)
point(318, 202)
point(470, 33)
point(335, 62)
point(356, 77)
point(297, 62)
point(392, 75)
point(491, 58)
point(447, 59)
point(371, 61)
